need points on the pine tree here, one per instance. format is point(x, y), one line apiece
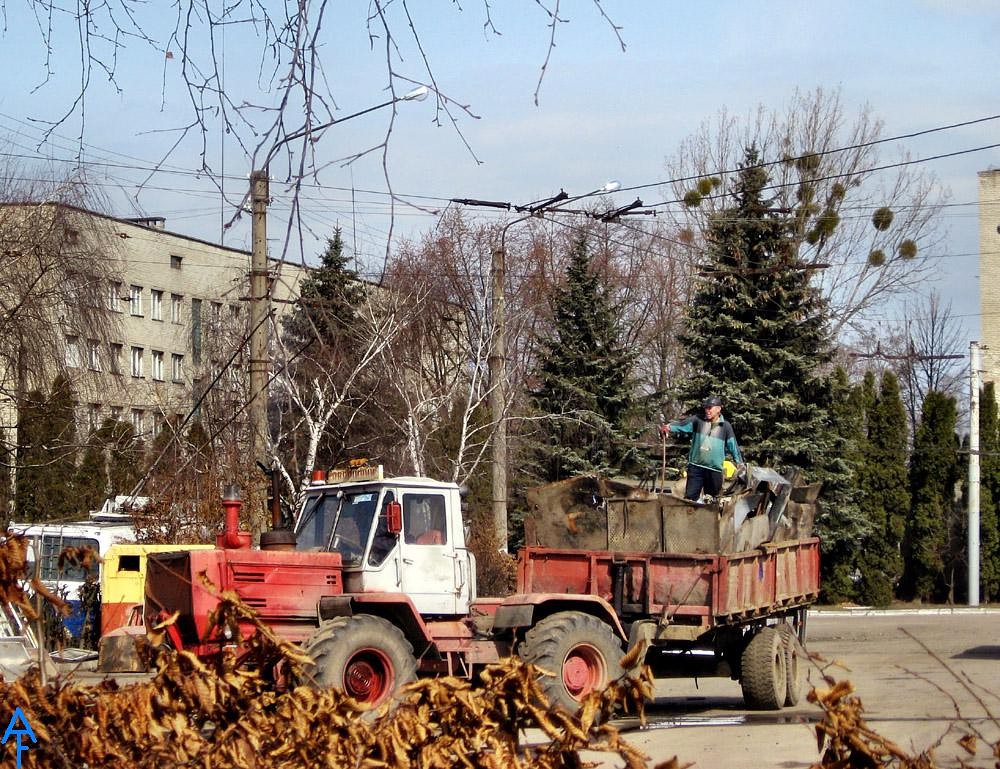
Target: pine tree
point(125, 455)
point(989, 493)
point(933, 478)
point(884, 491)
point(585, 394)
point(756, 333)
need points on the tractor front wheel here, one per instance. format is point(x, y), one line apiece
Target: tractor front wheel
point(366, 657)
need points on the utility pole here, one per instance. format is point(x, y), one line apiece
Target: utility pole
point(973, 523)
point(497, 365)
point(260, 311)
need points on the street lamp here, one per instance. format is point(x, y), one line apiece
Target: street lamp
point(260, 298)
point(497, 362)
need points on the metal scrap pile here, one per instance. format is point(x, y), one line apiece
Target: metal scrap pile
point(593, 513)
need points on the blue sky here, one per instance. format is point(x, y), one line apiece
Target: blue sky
point(602, 113)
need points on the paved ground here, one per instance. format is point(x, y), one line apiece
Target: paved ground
point(924, 678)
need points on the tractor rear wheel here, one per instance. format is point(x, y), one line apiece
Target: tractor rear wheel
point(764, 679)
point(582, 652)
point(366, 657)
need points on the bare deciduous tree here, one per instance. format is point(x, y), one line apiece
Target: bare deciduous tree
point(873, 228)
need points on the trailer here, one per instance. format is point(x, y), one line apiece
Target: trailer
point(378, 585)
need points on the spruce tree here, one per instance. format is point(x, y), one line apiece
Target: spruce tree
point(989, 494)
point(884, 492)
point(756, 333)
point(933, 478)
point(585, 394)
point(321, 336)
point(842, 524)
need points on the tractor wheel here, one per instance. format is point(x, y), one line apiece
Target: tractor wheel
point(582, 653)
point(793, 673)
point(764, 680)
point(366, 657)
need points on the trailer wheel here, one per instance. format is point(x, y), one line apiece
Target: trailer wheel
point(366, 657)
point(793, 673)
point(764, 678)
point(582, 652)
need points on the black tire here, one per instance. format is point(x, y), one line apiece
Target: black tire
point(366, 657)
point(793, 662)
point(764, 680)
point(582, 652)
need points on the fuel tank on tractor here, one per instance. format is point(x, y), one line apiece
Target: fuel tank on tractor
point(283, 586)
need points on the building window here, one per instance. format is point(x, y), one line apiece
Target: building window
point(135, 300)
point(234, 311)
point(116, 413)
point(115, 296)
point(196, 331)
point(94, 416)
point(93, 355)
point(156, 304)
point(72, 352)
point(177, 367)
point(138, 421)
point(175, 261)
point(158, 423)
point(175, 308)
point(115, 358)
point(137, 361)
point(157, 365)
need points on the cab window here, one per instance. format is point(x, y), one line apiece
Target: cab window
point(424, 519)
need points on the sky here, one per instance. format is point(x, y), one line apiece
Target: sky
point(602, 112)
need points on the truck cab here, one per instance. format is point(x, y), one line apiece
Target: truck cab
point(394, 535)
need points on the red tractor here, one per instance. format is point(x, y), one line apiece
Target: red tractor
point(379, 586)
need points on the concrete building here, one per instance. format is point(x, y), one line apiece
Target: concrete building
point(989, 272)
point(170, 299)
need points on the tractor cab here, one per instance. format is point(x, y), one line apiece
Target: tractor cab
point(394, 535)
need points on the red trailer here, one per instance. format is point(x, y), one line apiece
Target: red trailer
point(381, 587)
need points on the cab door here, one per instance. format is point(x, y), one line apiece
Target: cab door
point(427, 553)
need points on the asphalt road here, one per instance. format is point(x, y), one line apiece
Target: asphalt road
point(925, 678)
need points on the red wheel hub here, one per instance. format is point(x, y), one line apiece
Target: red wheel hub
point(368, 676)
point(583, 671)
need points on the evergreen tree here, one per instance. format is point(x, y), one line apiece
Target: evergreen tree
point(585, 394)
point(46, 455)
point(321, 333)
point(933, 478)
point(884, 492)
point(327, 301)
point(756, 333)
point(841, 523)
point(91, 482)
point(989, 494)
point(125, 455)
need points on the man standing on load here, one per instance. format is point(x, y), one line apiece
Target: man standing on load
point(712, 439)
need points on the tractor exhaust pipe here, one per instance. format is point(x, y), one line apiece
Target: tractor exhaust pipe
point(231, 537)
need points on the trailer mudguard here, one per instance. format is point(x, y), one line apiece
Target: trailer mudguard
point(527, 609)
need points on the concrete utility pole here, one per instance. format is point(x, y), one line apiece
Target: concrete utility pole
point(260, 311)
point(973, 523)
point(498, 389)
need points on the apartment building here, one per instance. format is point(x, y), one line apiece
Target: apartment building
point(169, 298)
point(989, 272)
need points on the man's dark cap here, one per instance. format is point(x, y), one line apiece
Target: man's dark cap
point(711, 400)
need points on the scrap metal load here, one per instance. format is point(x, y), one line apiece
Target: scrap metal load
point(593, 513)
